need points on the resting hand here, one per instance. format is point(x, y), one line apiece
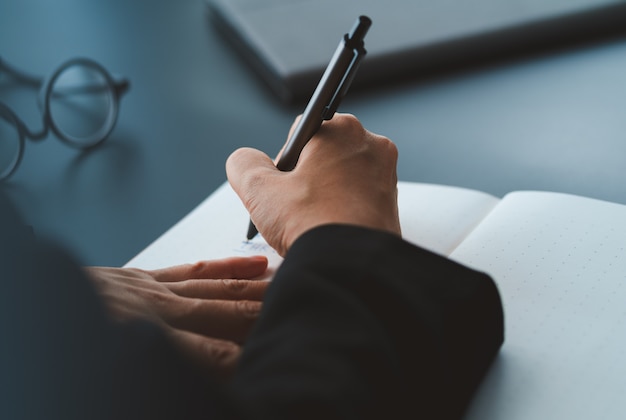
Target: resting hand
point(203, 306)
point(345, 174)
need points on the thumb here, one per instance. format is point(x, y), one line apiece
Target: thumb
point(248, 170)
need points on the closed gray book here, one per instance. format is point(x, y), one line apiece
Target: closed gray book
point(290, 42)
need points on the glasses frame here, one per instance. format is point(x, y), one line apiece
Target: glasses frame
point(116, 87)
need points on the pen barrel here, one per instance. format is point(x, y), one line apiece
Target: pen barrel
point(316, 111)
point(325, 100)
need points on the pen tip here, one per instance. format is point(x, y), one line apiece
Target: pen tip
point(252, 231)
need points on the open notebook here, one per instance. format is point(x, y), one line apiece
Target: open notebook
point(290, 42)
point(559, 262)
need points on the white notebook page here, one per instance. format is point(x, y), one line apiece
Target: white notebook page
point(436, 217)
point(439, 217)
point(560, 265)
point(216, 228)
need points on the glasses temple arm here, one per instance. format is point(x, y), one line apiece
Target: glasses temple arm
point(19, 75)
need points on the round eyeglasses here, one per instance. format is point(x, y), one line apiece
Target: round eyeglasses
point(79, 103)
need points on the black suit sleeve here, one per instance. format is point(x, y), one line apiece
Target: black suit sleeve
point(357, 324)
point(360, 324)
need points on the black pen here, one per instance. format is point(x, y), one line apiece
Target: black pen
point(325, 100)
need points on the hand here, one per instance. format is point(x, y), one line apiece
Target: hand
point(345, 174)
point(204, 307)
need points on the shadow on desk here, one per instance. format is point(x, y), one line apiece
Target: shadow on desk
point(120, 153)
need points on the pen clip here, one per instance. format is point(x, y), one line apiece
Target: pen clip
point(343, 87)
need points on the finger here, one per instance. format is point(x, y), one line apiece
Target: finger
point(226, 289)
point(223, 319)
point(291, 131)
point(218, 356)
point(227, 268)
point(248, 170)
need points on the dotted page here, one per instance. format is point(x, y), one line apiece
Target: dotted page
point(560, 265)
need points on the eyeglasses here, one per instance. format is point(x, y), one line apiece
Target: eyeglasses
point(79, 103)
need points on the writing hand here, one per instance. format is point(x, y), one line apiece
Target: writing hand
point(207, 308)
point(345, 174)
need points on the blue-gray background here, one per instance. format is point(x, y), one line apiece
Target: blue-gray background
point(555, 120)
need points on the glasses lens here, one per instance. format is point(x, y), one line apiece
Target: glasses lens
point(9, 145)
point(82, 105)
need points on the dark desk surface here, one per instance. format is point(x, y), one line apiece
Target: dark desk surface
point(552, 121)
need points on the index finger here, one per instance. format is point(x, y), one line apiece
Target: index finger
point(227, 268)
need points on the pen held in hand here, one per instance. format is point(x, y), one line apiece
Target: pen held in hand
point(326, 98)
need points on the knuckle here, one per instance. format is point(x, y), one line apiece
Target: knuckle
point(223, 357)
point(237, 156)
point(248, 308)
point(197, 269)
point(350, 123)
point(188, 287)
point(228, 351)
point(246, 177)
point(234, 287)
point(390, 147)
point(383, 146)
